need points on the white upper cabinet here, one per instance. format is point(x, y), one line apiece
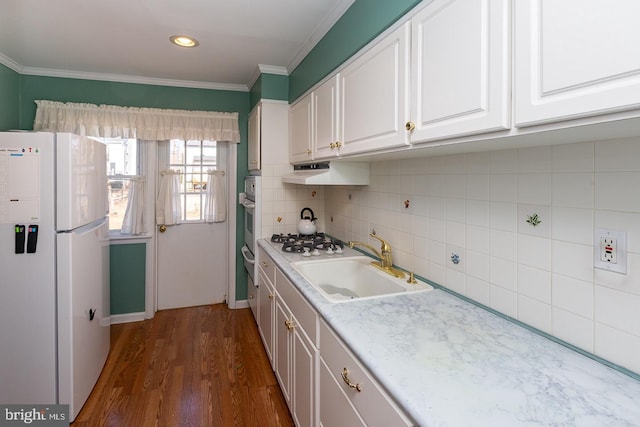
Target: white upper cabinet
point(326, 115)
point(301, 130)
point(374, 96)
point(575, 59)
point(460, 69)
point(254, 139)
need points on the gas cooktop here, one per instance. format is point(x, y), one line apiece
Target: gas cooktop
point(309, 244)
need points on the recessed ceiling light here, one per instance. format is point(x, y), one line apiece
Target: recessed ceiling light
point(184, 41)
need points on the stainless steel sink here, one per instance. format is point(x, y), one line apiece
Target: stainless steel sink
point(353, 278)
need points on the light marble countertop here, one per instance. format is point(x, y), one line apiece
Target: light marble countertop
point(447, 362)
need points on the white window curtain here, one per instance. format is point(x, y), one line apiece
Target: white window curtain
point(111, 121)
point(168, 210)
point(133, 221)
point(215, 202)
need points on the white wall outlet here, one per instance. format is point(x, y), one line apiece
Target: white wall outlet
point(610, 250)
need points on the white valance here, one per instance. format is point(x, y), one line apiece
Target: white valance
point(111, 121)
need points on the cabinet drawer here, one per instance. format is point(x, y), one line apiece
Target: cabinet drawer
point(336, 409)
point(373, 404)
point(300, 308)
point(266, 264)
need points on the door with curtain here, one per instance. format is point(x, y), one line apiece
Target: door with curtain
point(192, 250)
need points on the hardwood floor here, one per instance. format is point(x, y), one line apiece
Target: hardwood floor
point(198, 366)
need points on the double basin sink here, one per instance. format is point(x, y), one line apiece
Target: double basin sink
point(353, 278)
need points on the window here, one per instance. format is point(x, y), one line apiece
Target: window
point(123, 162)
point(192, 159)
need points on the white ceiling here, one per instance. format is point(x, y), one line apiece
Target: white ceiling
point(128, 40)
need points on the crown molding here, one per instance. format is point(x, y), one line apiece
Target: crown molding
point(5, 60)
point(123, 78)
point(120, 78)
point(266, 69)
point(320, 32)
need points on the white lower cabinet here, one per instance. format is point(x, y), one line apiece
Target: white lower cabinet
point(296, 352)
point(343, 377)
point(266, 309)
point(323, 383)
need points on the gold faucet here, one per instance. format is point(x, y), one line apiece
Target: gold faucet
point(386, 261)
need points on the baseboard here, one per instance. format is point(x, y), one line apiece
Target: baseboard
point(242, 303)
point(127, 317)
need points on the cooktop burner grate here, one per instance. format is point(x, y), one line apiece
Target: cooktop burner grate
point(298, 242)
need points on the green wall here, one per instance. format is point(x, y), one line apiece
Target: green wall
point(360, 24)
point(9, 98)
point(128, 95)
point(127, 262)
point(269, 86)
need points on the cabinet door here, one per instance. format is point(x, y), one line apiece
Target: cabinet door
point(282, 349)
point(266, 309)
point(254, 139)
point(301, 130)
point(326, 123)
point(575, 59)
point(460, 69)
point(374, 96)
point(303, 378)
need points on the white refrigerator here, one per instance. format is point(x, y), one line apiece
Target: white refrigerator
point(54, 268)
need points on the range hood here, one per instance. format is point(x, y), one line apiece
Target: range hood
point(326, 173)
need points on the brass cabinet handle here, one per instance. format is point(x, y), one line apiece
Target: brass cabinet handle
point(336, 144)
point(347, 381)
point(410, 126)
point(270, 296)
point(289, 324)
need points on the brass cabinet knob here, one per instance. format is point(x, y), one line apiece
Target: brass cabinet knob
point(332, 145)
point(270, 296)
point(289, 324)
point(308, 151)
point(162, 228)
point(410, 126)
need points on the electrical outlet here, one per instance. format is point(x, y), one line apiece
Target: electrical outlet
point(610, 251)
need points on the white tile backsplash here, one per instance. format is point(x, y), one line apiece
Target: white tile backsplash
point(573, 190)
point(573, 329)
point(534, 313)
point(612, 191)
point(478, 203)
point(572, 295)
point(534, 283)
point(617, 346)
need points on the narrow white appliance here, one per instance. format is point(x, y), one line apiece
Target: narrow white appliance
point(252, 201)
point(54, 268)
